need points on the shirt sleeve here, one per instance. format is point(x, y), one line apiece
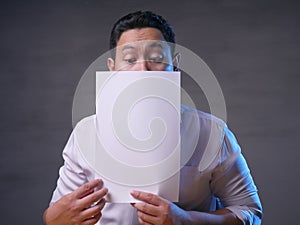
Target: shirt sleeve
point(233, 184)
point(71, 174)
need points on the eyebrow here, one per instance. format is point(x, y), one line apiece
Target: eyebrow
point(127, 47)
point(155, 44)
point(152, 45)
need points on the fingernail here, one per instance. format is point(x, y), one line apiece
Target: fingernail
point(134, 193)
point(106, 190)
point(99, 182)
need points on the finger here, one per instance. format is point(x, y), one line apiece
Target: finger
point(146, 197)
point(92, 211)
point(92, 220)
point(93, 197)
point(143, 220)
point(147, 208)
point(101, 203)
point(87, 188)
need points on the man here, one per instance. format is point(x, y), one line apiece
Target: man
point(225, 176)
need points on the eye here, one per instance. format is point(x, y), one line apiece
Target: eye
point(130, 60)
point(156, 58)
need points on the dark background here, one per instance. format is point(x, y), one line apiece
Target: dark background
point(45, 47)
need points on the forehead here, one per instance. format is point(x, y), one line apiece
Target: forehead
point(142, 34)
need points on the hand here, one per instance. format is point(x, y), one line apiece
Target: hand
point(156, 210)
point(77, 207)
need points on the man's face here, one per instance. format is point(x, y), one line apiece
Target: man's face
point(142, 49)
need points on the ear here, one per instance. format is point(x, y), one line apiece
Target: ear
point(111, 64)
point(175, 61)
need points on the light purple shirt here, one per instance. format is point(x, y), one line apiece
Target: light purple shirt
point(216, 170)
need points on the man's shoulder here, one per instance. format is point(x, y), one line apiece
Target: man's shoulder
point(203, 117)
point(86, 121)
point(85, 129)
point(206, 131)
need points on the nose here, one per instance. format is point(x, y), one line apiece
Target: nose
point(143, 65)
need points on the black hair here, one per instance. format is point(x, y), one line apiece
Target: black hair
point(141, 19)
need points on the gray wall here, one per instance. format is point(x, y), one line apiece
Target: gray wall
point(252, 47)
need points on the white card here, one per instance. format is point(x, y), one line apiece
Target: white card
point(137, 133)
